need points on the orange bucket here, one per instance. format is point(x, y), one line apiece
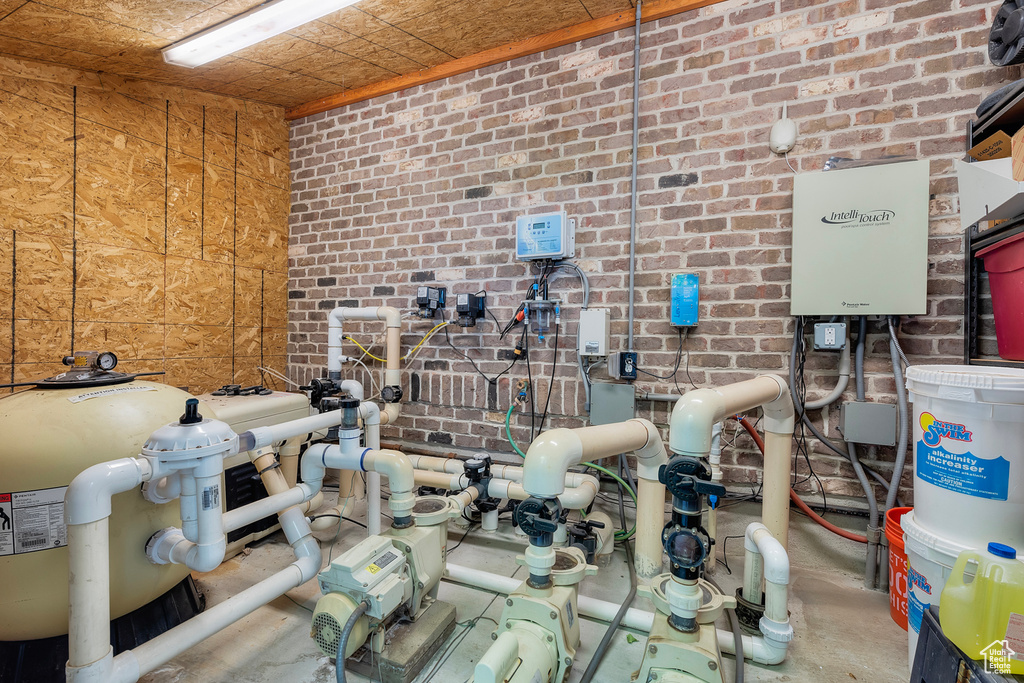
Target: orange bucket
point(897, 566)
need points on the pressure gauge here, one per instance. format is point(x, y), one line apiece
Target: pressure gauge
point(106, 361)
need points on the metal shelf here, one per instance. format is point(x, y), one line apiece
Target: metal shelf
point(1007, 117)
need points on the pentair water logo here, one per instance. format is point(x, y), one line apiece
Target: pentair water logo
point(934, 431)
point(858, 218)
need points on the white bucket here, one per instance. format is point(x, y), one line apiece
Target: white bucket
point(930, 560)
point(969, 452)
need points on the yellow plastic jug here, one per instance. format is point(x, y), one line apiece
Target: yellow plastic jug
point(983, 615)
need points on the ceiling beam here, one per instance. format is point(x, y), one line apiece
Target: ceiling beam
point(650, 11)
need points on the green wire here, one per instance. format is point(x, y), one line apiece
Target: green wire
point(621, 534)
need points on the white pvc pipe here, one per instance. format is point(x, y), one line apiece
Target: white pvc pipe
point(371, 424)
point(261, 437)
point(257, 510)
point(489, 521)
point(88, 599)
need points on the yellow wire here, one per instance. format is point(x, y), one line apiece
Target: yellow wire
point(381, 360)
point(425, 338)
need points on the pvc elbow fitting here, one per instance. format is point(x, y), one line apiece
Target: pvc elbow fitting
point(692, 419)
point(547, 460)
point(652, 455)
point(88, 496)
point(313, 464)
point(779, 416)
point(776, 560)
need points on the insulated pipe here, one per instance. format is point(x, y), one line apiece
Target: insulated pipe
point(695, 414)
point(553, 452)
point(505, 472)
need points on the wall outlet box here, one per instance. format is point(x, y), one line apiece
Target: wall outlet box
point(593, 332)
point(860, 241)
point(622, 365)
point(611, 403)
point(549, 236)
point(870, 423)
point(685, 297)
point(829, 336)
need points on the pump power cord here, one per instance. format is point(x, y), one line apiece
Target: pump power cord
point(339, 660)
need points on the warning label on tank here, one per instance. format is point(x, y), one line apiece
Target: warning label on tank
point(964, 473)
point(32, 520)
point(107, 392)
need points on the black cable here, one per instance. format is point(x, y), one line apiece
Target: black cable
point(490, 380)
point(551, 382)
point(347, 519)
point(449, 550)
point(602, 647)
point(529, 379)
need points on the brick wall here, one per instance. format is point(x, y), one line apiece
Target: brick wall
point(425, 185)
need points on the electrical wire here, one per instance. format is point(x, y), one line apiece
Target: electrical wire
point(339, 660)
point(278, 375)
point(489, 380)
point(551, 382)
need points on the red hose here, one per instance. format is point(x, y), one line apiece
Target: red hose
point(795, 498)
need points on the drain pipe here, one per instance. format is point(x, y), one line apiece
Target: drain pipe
point(554, 451)
point(632, 177)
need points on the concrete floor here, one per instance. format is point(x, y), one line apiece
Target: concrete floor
point(843, 633)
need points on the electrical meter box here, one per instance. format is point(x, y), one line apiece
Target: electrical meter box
point(549, 236)
point(860, 241)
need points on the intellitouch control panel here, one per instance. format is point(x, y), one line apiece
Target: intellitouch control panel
point(547, 236)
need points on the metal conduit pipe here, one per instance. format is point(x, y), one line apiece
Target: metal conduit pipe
point(901, 451)
point(871, 557)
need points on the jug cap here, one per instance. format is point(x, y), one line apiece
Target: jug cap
point(1000, 550)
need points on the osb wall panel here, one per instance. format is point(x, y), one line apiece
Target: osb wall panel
point(143, 220)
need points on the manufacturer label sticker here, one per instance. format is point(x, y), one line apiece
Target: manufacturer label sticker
point(32, 520)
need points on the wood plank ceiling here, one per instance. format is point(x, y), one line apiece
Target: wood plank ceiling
point(370, 42)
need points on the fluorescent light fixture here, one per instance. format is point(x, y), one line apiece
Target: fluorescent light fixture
point(258, 24)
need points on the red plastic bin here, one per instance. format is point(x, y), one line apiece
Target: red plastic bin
point(1004, 262)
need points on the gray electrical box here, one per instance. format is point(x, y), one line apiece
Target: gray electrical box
point(870, 423)
point(860, 241)
point(611, 403)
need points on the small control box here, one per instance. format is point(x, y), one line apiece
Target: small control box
point(622, 365)
point(430, 299)
point(593, 333)
point(549, 236)
point(374, 568)
point(685, 297)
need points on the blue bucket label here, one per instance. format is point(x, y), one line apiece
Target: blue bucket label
point(915, 612)
point(964, 473)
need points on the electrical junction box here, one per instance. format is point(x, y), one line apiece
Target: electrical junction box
point(870, 423)
point(829, 336)
point(374, 568)
point(611, 403)
point(685, 297)
point(549, 236)
point(860, 241)
point(593, 332)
